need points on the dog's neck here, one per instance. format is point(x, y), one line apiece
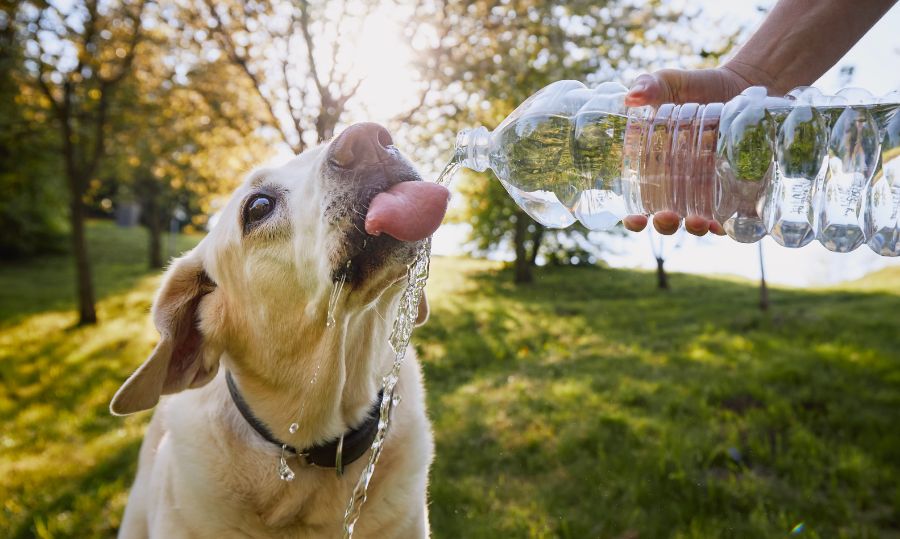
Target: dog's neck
point(325, 384)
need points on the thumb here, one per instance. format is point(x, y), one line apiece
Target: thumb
point(653, 89)
point(683, 86)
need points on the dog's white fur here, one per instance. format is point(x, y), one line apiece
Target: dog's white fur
point(260, 302)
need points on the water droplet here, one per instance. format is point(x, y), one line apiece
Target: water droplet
point(293, 428)
point(285, 473)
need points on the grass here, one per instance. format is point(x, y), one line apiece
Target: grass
point(586, 405)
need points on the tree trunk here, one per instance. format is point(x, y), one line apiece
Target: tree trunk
point(148, 189)
point(87, 313)
point(523, 262)
point(662, 279)
point(536, 240)
point(154, 225)
point(763, 288)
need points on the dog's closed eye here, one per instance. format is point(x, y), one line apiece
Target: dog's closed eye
point(257, 208)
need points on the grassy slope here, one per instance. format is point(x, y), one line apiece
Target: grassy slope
point(590, 405)
point(587, 405)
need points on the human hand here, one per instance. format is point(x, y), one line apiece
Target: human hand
point(682, 86)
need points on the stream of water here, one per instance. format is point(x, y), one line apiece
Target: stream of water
point(405, 321)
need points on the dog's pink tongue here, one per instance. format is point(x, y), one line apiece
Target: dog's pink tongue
point(408, 211)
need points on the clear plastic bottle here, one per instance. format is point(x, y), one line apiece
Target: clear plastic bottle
point(800, 167)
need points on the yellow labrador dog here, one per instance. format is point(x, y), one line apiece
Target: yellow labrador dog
point(245, 352)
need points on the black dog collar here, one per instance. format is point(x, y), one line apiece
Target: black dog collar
point(355, 441)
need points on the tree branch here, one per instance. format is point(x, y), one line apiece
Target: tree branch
point(241, 62)
point(295, 114)
point(310, 51)
point(409, 114)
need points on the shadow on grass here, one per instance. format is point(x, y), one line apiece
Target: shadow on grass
point(88, 504)
point(66, 462)
point(586, 405)
point(118, 259)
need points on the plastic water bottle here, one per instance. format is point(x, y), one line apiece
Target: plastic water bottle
point(800, 167)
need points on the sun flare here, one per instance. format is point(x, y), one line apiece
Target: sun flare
point(381, 58)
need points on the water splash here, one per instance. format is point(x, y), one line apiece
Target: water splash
point(407, 311)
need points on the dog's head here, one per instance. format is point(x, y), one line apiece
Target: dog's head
point(258, 286)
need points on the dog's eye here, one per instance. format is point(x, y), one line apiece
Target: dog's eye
point(258, 208)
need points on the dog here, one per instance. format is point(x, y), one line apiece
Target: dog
point(251, 368)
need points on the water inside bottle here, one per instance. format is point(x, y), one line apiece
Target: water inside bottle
point(558, 169)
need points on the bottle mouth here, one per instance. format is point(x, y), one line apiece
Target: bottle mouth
point(473, 148)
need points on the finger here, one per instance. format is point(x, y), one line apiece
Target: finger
point(666, 222)
point(696, 225)
point(635, 223)
point(716, 228)
point(646, 90)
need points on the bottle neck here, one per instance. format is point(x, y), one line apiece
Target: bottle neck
point(473, 148)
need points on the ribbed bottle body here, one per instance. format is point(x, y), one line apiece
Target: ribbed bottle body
point(799, 168)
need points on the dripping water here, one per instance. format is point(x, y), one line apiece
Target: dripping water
point(405, 321)
point(333, 299)
point(284, 471)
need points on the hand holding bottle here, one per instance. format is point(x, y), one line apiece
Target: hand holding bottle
point(798, 41)
point(682, 86)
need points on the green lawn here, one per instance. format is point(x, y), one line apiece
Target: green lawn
point(586, 405)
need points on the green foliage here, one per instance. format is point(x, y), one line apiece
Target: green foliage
point(184, 137)
point(801, 146)
point(32, 209)
point(586, 406)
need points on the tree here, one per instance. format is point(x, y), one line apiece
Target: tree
point(77, 57)
point(484, 58)
point(187, 134)
point(291, 53)
point(31, 208)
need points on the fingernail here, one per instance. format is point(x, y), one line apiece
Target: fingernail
point(638, 88)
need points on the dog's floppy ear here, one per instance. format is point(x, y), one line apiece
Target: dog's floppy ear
point(422, 315)
point(181, 359)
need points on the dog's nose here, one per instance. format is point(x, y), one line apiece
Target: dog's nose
point(360, 145)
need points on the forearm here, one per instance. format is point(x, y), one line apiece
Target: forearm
point(801, 39)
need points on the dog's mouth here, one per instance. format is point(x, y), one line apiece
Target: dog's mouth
point(379, 203)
